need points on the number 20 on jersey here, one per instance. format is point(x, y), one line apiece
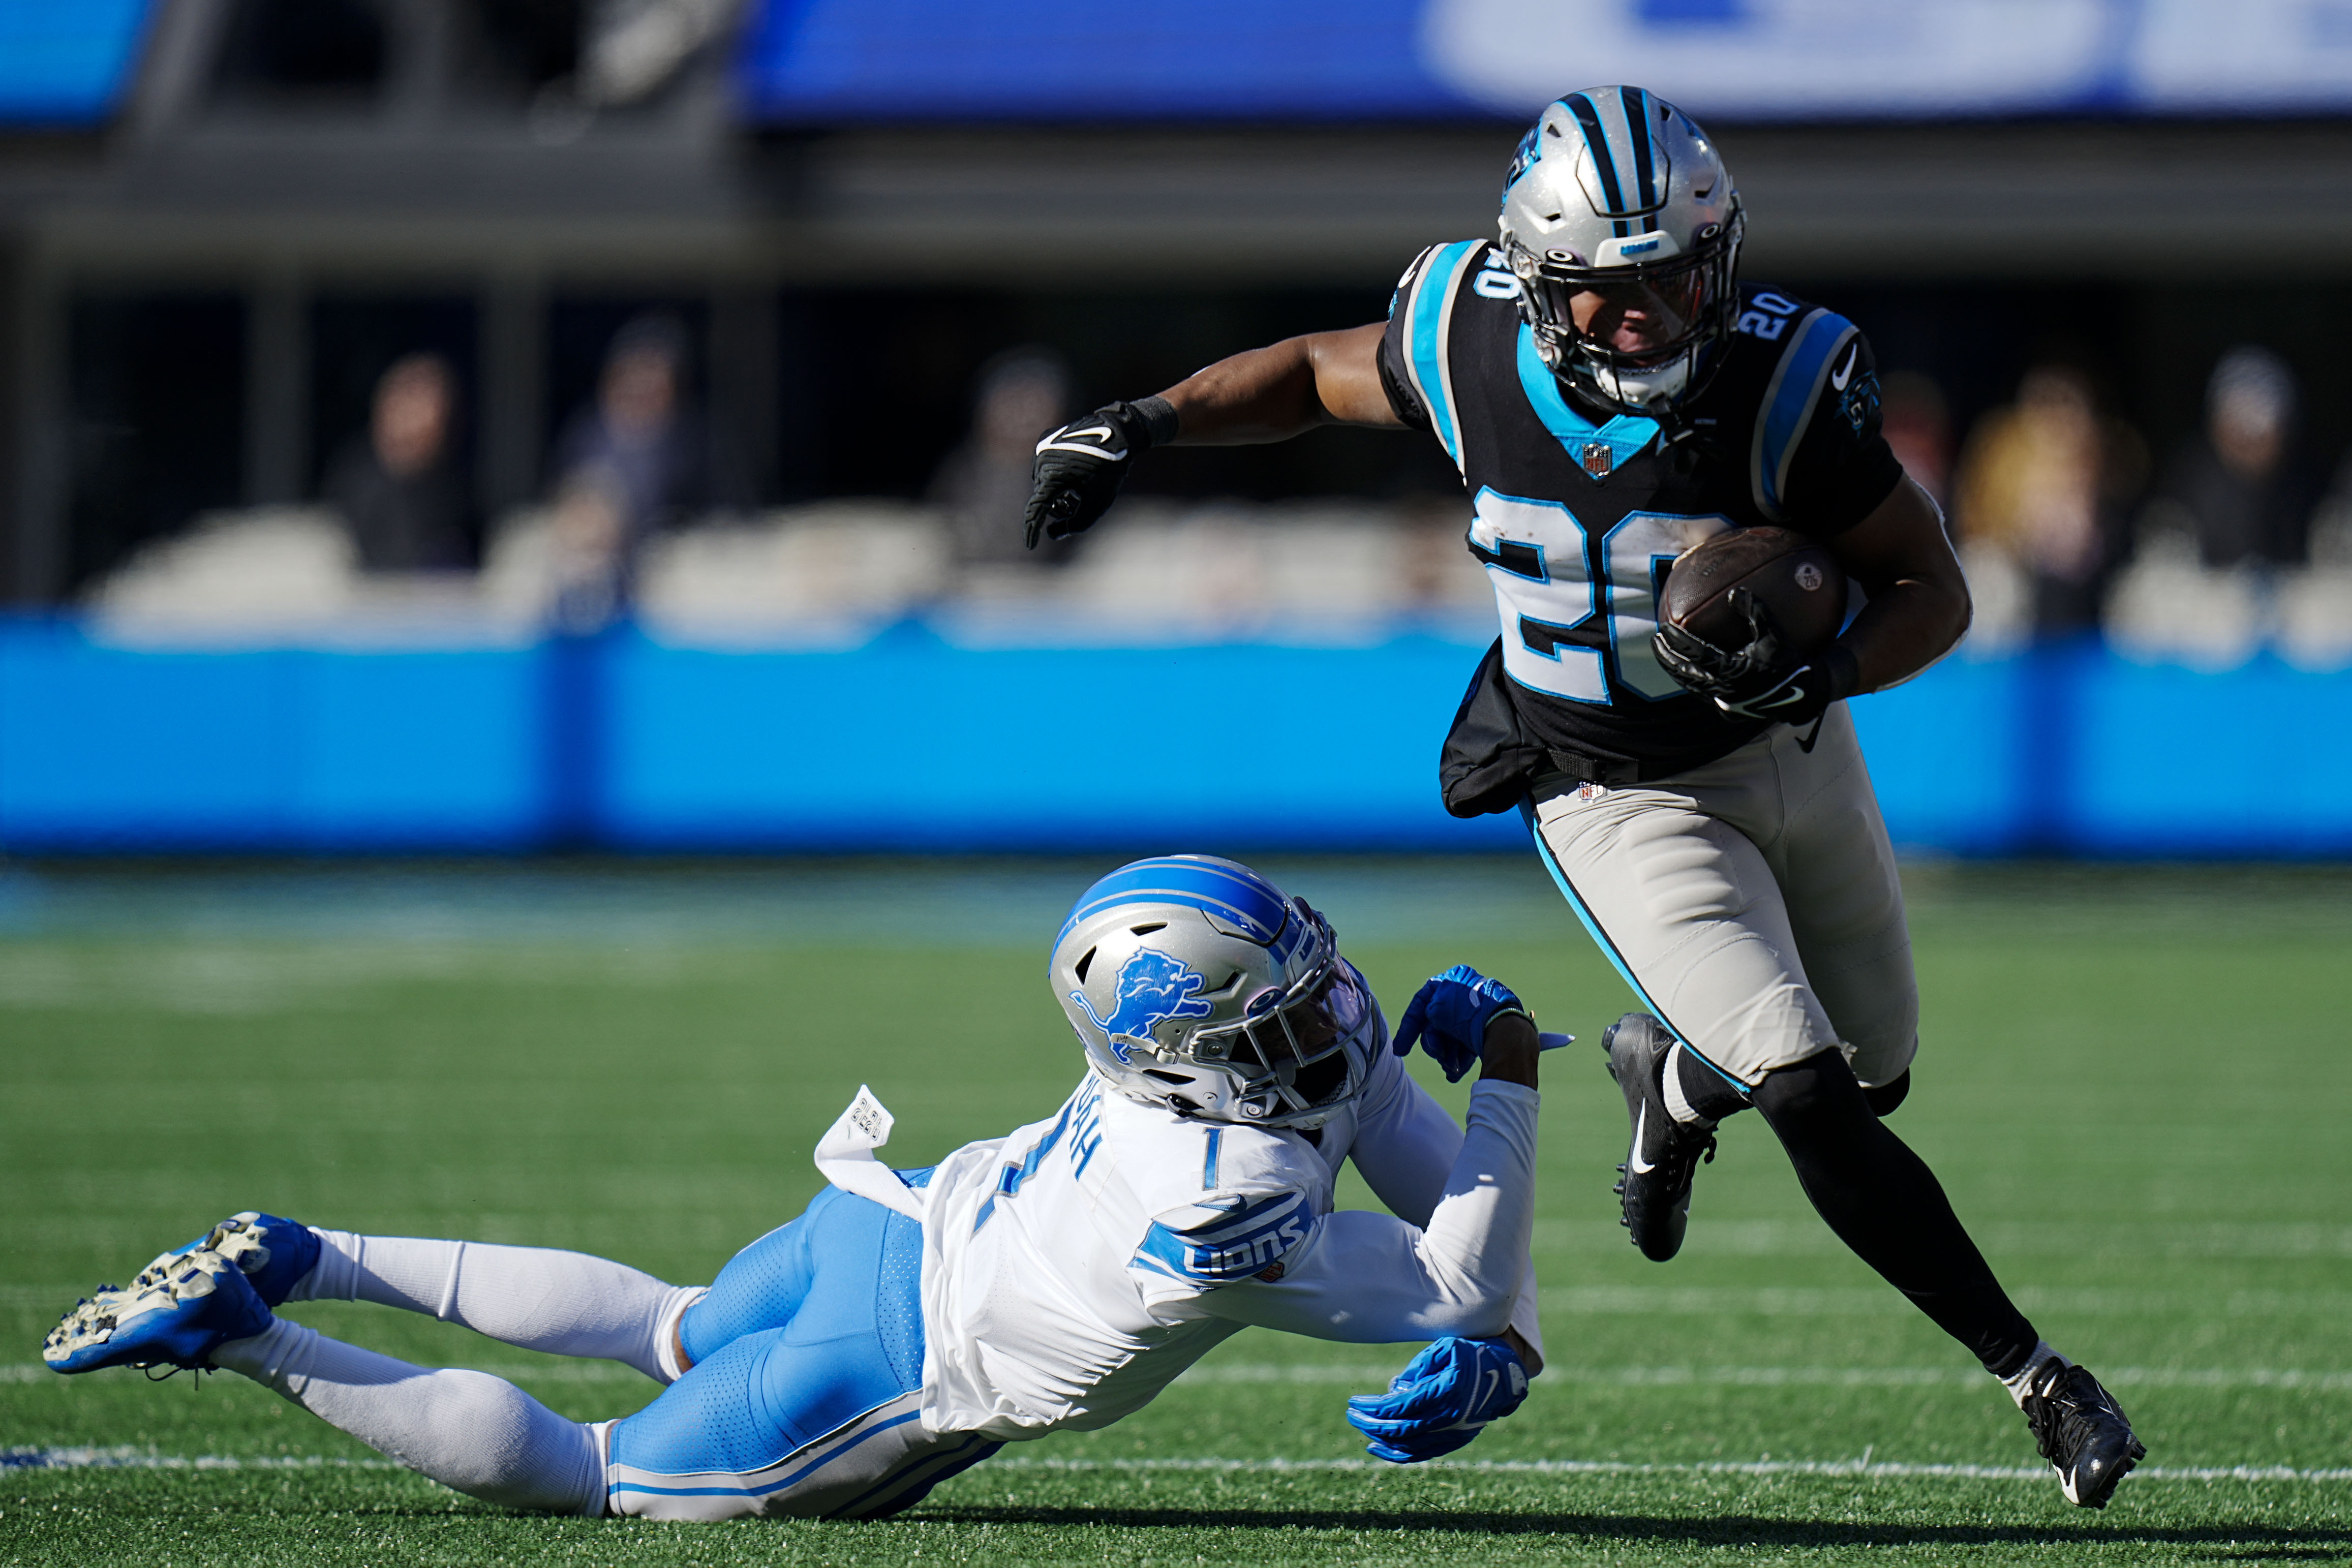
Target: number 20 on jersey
point(1579, 610)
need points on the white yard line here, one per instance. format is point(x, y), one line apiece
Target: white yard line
point(1758, 1468)
point(1732, 1301)
point(138, 1458)
point(143, 1460)
point(1794, 1376)
point(1375, 1375)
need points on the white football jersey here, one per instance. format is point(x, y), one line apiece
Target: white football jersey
point(1067, 1266)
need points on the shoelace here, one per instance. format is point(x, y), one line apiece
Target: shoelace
point(1686, 1155)
point(2071, 1415)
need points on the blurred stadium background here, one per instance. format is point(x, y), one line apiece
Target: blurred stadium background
point(497, 425)
point(435, 432)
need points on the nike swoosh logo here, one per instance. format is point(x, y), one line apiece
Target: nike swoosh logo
point(1634, 1161)
point(1782, 700)
point(1470, 1416)
point(1845, 373)
point(1067, 438)
point(1080, 449)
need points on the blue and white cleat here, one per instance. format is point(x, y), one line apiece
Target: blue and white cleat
point(182, 1308)
point(274, 1253)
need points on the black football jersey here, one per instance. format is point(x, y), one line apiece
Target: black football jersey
point(1576, 517)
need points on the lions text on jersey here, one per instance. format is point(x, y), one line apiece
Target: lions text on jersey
point(1073, 1269)
point(1577, 519)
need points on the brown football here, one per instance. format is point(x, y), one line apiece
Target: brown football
point(1794, 578)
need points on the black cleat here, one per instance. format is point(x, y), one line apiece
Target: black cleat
point(1664, 1154)
point(2082, 1431)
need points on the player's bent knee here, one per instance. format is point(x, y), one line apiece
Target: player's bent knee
point(1884, 1097)
point(492, 1441)
point(1821, 1088)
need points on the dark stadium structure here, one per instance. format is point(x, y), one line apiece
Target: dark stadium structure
point(269, 185)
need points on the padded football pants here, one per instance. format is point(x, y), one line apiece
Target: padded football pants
point(804, 1397)
point(805, 1393)
point(1752, 904)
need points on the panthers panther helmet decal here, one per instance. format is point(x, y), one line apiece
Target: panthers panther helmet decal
point(1193, 984)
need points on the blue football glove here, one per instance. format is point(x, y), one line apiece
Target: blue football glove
point(1449, 1016)
point(1443, 1398)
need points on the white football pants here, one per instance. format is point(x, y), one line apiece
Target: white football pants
point(1753, 903)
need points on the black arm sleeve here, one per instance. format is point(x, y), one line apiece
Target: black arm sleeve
point(1842, 468)
point(1394, 381)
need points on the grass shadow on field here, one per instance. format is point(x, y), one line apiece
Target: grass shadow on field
point(2248, 1542)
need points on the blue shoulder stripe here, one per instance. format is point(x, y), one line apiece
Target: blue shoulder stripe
point(1788, 403)
point(1432, 302)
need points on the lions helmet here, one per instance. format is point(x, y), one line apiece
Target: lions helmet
point(1195, 985)
point(1619, 193)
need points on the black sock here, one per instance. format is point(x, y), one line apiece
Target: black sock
point(1707, 1092)
point(1885, 1203)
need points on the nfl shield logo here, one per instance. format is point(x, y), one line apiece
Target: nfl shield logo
point(1597, 459)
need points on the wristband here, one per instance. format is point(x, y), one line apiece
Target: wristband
point(1159, 420)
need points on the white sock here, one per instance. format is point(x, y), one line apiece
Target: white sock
point(2020, 1381)
point(473, 1432)
point(567, 1303)
point(1670, 1084)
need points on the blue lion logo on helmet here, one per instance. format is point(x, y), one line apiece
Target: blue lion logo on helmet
point(1151, 988)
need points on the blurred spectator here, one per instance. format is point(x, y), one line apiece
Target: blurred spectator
point(1918, 426)
point(628, 465)
point(397, 486)
point(2042, 482)
point(2243, 487)
point(983, 484)
point(594, 578)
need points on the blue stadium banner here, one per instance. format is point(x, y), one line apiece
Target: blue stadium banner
point(829, 61)
point(66, 64)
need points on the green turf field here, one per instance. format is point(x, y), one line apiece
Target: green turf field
point(2133, 1084)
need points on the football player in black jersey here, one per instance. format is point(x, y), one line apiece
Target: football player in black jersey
point(1613, 396)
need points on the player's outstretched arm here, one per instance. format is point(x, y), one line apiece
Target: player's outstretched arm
point(1285, 389)
point(1918, 605)
point(1265, 394)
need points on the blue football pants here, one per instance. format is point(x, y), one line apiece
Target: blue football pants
point(805, 1395)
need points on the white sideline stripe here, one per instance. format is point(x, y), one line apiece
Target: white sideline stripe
point(1374, 1378)
point(141, 1459)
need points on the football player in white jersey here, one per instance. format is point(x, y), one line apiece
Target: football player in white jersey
point(912, 1323)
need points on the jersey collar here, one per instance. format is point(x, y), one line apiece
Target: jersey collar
point(1624, 436)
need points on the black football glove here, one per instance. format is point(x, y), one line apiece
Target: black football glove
point(1080, 466)
point(1761, 679)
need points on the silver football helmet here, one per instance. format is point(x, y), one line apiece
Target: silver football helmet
point(1195, 985)
point(1616, 194)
